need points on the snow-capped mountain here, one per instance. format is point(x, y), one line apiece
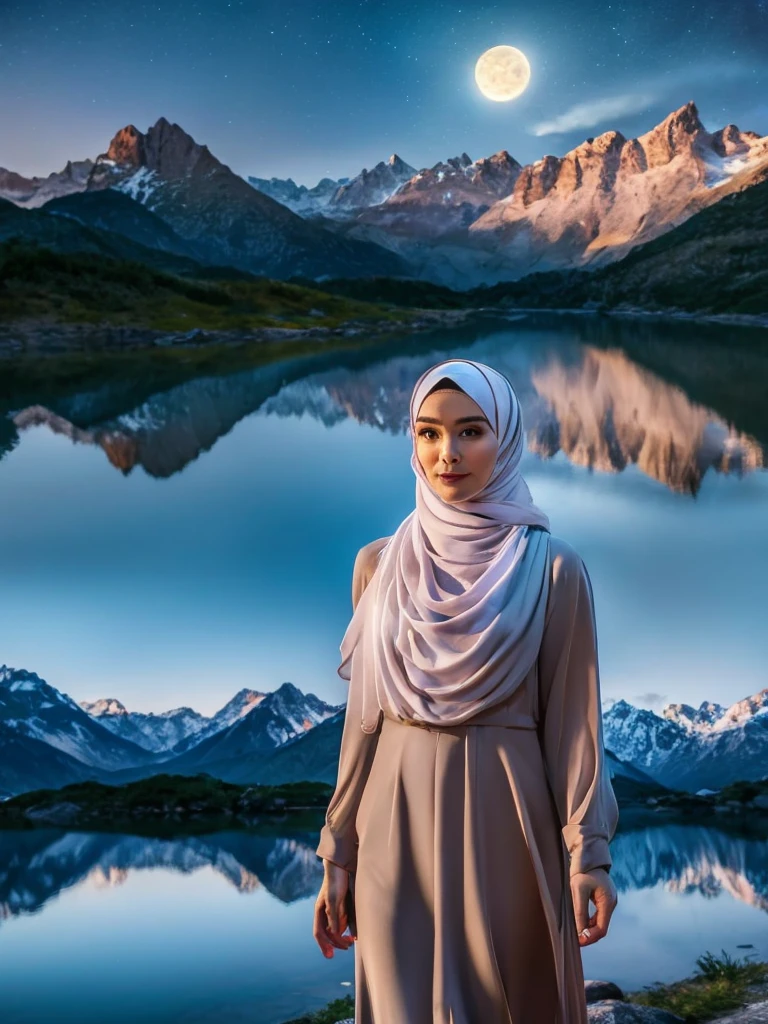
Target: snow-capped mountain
point(371, 187)
point(32, 708)
point(183, 731)
point(302, 200)
point(343, 197)
point(229, 221)
point(687, 748)
point(610, 193)
point(587, 208)
point(449, 196)
point(34, 192)
point(233, 753)
point(155, 732)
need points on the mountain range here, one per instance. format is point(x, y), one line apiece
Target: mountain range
point(461, 222)
point(47, 740)
point(692, 748)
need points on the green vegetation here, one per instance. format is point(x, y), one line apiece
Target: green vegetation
point(739, 798)
point(336, 1010)
point(87, 288)
point(721, 984)
point(161, 797)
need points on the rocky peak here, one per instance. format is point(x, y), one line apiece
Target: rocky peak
point(459, 162)
point(104, 706)
point(699, 719)
point(398, 165)
point(676, 134)
point(750, 709)
point(127, 148)
point(498, 173)
point(165, 148)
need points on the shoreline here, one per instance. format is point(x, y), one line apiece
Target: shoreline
point(638, 313)
point(39, 339)
point(42, 339)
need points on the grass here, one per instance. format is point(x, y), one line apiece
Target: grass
point(85, 288)
point(338, 1009)
point(720, 984)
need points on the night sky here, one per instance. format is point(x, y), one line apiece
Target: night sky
point(311, 88)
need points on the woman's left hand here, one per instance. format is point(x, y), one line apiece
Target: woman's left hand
point(598, 885)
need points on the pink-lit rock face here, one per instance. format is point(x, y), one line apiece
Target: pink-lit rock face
point(608, 413)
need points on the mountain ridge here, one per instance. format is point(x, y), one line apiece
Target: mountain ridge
point(460, 223)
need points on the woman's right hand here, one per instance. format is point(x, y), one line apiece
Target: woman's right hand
point(330, 911)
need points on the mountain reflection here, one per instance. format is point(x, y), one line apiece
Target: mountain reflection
point(36, 865)
point(597, 406)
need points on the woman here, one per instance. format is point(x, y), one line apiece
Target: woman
point(473, 807)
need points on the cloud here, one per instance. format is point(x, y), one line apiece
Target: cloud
point(668, 89)
point(587, 115)
point(650, 700)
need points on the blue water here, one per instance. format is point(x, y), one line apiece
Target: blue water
point(170, 544)
point(218, 929)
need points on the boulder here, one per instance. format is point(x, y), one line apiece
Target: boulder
point(614, 1011)
point(597, 990)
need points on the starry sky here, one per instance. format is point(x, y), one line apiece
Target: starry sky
point(310, 88)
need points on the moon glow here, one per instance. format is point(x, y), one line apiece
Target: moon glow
point(502, 73)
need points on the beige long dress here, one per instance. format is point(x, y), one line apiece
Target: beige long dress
point(461, 839)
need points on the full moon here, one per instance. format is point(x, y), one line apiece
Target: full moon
point(502, 73)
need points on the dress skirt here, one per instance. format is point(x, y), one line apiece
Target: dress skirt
point(461, 883)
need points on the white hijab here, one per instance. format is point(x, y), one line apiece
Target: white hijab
point(452, 619)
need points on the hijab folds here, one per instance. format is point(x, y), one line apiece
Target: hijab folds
point(451, 621)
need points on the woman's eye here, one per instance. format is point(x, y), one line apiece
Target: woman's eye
point(426, 431)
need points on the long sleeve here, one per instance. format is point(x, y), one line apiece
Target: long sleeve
point(570, 715)
point(338, 837)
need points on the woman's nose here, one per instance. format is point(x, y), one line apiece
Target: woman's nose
point(449, 452)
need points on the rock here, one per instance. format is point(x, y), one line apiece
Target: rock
point(600, 990)
point(57, 814)
point(756, 1013)
point(761, 801)
point(316, 312)
point(614, 1011)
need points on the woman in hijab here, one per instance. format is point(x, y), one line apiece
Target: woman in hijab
point(473, 808)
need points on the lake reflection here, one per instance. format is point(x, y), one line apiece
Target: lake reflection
point(217, 928)
point(598, 406)
point(215, 518)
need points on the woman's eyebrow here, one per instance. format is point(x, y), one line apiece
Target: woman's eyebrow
point(461, 419)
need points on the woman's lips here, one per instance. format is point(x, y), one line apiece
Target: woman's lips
point(450, 477)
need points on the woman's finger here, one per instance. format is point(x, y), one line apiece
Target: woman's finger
point(320, 932)
point(337, 922)
point(581, 906)
point(605, 905)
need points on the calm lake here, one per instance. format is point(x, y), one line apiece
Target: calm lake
point(169, 538)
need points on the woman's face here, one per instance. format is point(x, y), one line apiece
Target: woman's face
point(453, 436)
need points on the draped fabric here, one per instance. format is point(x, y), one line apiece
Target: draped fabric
point(452, 620)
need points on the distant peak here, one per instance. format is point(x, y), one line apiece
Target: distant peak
point(289, 688)
point(104, 706)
